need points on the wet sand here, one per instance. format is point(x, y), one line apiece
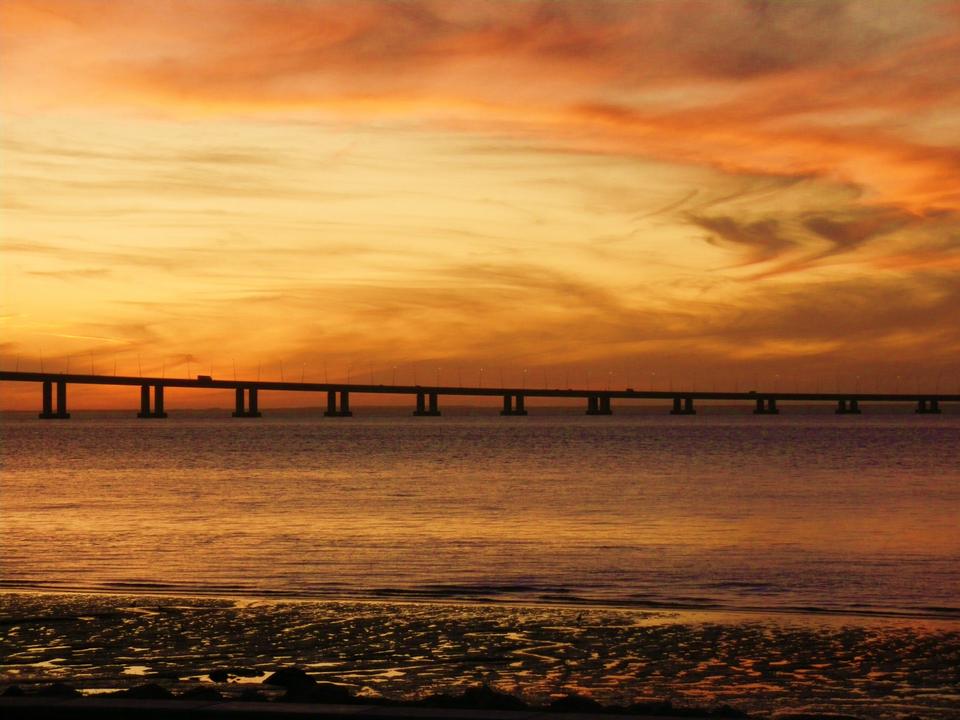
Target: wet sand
point(868, 667)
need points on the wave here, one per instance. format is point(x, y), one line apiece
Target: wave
point(483, 593)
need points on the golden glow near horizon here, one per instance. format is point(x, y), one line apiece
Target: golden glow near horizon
point(710, 192)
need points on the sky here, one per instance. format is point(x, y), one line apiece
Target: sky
point(655, 194)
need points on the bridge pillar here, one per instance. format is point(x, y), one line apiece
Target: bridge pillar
point(145, 411)
point(332, 409)
point(144, 402)
point(848, 407)
point(513, 405)
point(422, 404)
point(928, 407)
point(48, 413)
point(766, 406)
point(683, 406)
point(249, 408)
point(599, 405)
point(62, 400)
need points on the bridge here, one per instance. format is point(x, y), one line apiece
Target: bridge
point(427, 398)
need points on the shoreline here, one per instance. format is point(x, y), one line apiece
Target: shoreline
point(947, 616)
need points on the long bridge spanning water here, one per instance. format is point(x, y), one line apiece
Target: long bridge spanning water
point(53, 386)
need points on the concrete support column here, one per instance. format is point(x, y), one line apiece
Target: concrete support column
point(158, 402)
point(144, 401)
point(145, 410)
point(766, 406)
point(593, 405)
point(605, 408)
point(513, 405)
point(848, 407)
point(343, 410)
point(683, 406)
point(928, 407)
point(46, 411)
point(245, 403)
point(422, 404)
point(62, 413)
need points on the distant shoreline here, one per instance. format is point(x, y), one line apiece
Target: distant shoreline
point(634, 409)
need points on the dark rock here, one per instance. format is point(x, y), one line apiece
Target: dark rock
point(480, 697)
point(661, 707)
point(201, 693)
point(323, 692)
point(725, 711)
point(576, 703)
point(58, 690)
point(244, 672)
point(13, 691)
point(168, 675)
point(251, 695)
point(150, 691)
point(291, 678)
point(218, 675)
point(816, 716)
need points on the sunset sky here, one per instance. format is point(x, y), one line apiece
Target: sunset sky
point(668, 192)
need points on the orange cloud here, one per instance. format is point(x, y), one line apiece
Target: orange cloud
point(826, 88)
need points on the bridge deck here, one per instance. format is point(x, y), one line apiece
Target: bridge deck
point(465, 391)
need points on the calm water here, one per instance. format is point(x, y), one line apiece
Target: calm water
point(852, 514)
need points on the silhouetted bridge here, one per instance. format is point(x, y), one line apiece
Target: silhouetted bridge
point(427, 399)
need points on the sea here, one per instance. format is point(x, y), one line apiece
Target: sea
point(812, 513)
point(798, 520)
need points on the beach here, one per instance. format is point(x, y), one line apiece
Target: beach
point(760, 664)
